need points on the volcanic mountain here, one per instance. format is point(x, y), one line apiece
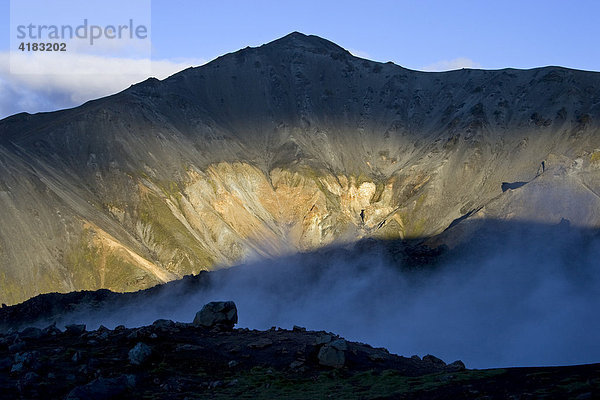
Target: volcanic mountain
point(286, 147)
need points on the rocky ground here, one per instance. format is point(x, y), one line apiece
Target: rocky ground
point(209, 359)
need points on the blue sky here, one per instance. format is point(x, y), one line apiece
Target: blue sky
point(494, 34)
point(426, 35)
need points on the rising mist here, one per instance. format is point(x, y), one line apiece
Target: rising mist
point(515, 294)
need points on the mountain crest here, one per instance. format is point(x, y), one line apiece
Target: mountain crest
point(299, 40)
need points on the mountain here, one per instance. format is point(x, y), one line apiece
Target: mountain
point(286, 147)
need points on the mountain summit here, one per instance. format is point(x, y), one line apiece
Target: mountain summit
point(286, 147)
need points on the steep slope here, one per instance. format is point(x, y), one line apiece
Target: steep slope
point(289, 146)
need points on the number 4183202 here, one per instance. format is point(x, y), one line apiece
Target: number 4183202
point(43, 46)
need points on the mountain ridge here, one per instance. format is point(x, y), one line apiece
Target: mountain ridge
point(285, 147)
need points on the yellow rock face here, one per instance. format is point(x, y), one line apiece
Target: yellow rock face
point(236, 205)
point(227, 213)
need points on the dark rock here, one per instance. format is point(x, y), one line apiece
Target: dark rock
point(28, 361)
point(100, 389)
point(83, 370)
point(24, 361)
point(333, 354)
point(30, 333)
point(51, 330)
point(323, 339)
point(17, 368)
point(260, 343)
point(339, 344)
point(132, 380)
point(27, 381)
point(434, 360)
point(140, 354)
point(215, 384)
point(172, 385)
point(133, 335)
point(30, 377)
point(376, 356)
point(457, 365)
point(5, 363)
point(585, 396)
point(75, 329)
point(235, 349)
point(163, 323)
point(188, 347)
point(13, 348)
point(297, 328)
point(93, 363)
point(103, 335)
point(77, 357)
point(330, 357)
point(217, 314)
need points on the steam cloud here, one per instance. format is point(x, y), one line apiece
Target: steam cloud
point(524, 298)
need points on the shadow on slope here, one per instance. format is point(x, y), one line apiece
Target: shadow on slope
point(509, 294)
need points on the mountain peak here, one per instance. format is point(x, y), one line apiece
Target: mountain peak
point(309, 42)
point(295, 36)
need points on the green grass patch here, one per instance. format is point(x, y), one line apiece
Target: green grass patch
point(260, 383)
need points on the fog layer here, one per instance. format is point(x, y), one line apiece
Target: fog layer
point(524, 298)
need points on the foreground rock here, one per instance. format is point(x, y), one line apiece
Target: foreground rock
point(174, 360)
point(121, 362)
point(217, 314)
point(193, 362)
point(140, 354)
point(333, 354)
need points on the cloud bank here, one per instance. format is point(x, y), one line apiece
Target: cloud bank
point(37, 92)
point(524, 298)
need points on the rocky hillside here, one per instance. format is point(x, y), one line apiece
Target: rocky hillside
point(209, 359)
point(283, 148)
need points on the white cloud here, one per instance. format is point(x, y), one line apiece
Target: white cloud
point(360, 53)
point(448, 65)
point(96, 76)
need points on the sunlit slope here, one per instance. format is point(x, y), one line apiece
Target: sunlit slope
point(289, 146)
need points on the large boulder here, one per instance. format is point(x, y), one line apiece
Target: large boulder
point(433, 360)
point(217, 314)
point(456, 366)
point(140, 354)
point(75, 329)
point(333, 354)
